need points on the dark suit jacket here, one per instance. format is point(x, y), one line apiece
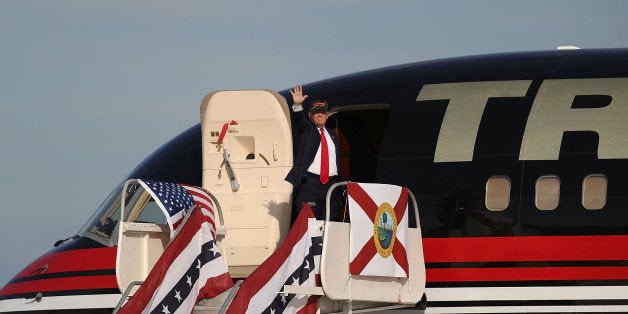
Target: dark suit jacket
point(307, 144)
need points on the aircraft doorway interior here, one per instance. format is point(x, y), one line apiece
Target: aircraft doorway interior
point(360, 131)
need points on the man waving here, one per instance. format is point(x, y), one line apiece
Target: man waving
point(316, 165)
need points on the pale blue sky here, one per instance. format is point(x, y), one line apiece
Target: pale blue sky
point(89, 88)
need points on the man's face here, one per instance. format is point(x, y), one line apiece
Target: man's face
point(319, 119)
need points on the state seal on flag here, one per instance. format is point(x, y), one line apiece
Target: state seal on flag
point(384, 229)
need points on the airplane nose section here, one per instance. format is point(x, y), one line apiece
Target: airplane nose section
point(79, 274)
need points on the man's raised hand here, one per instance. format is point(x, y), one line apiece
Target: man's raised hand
point(297, 95)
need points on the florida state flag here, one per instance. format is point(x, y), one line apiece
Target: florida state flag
point(379, 227)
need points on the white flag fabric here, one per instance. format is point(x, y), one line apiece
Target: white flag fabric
point(296, 262)
point(379, 229)
point(190, 269)
point(175, 200)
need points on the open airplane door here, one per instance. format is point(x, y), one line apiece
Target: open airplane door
point(247, 152)
point(143, 235)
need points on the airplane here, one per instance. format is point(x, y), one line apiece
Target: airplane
point(517, 161)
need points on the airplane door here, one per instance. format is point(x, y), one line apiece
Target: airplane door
point(247, 152)
point(143, 235)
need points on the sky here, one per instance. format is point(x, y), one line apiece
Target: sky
point(90, 88)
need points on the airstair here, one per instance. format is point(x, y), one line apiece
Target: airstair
point(247, 151)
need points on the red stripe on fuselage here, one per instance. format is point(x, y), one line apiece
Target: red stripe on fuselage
point(73, 262)
point(528, 248)
point(526, 274)
point(62, 284)
point(525, 249)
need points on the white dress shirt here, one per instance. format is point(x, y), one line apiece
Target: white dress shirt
point(315, 167)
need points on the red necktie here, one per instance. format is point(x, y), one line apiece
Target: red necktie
point(324, 158)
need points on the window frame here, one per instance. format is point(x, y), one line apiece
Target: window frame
point(491, 188)
point(555, 199)
point(584, 198)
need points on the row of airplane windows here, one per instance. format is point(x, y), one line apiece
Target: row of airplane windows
point(547, 192)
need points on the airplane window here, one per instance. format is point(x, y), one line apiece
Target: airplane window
point(141, 207)
point(242, 147)
point(594, 191)
point(547, 192)
point(106, 217)
point(151, 213)
point(497, 193)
